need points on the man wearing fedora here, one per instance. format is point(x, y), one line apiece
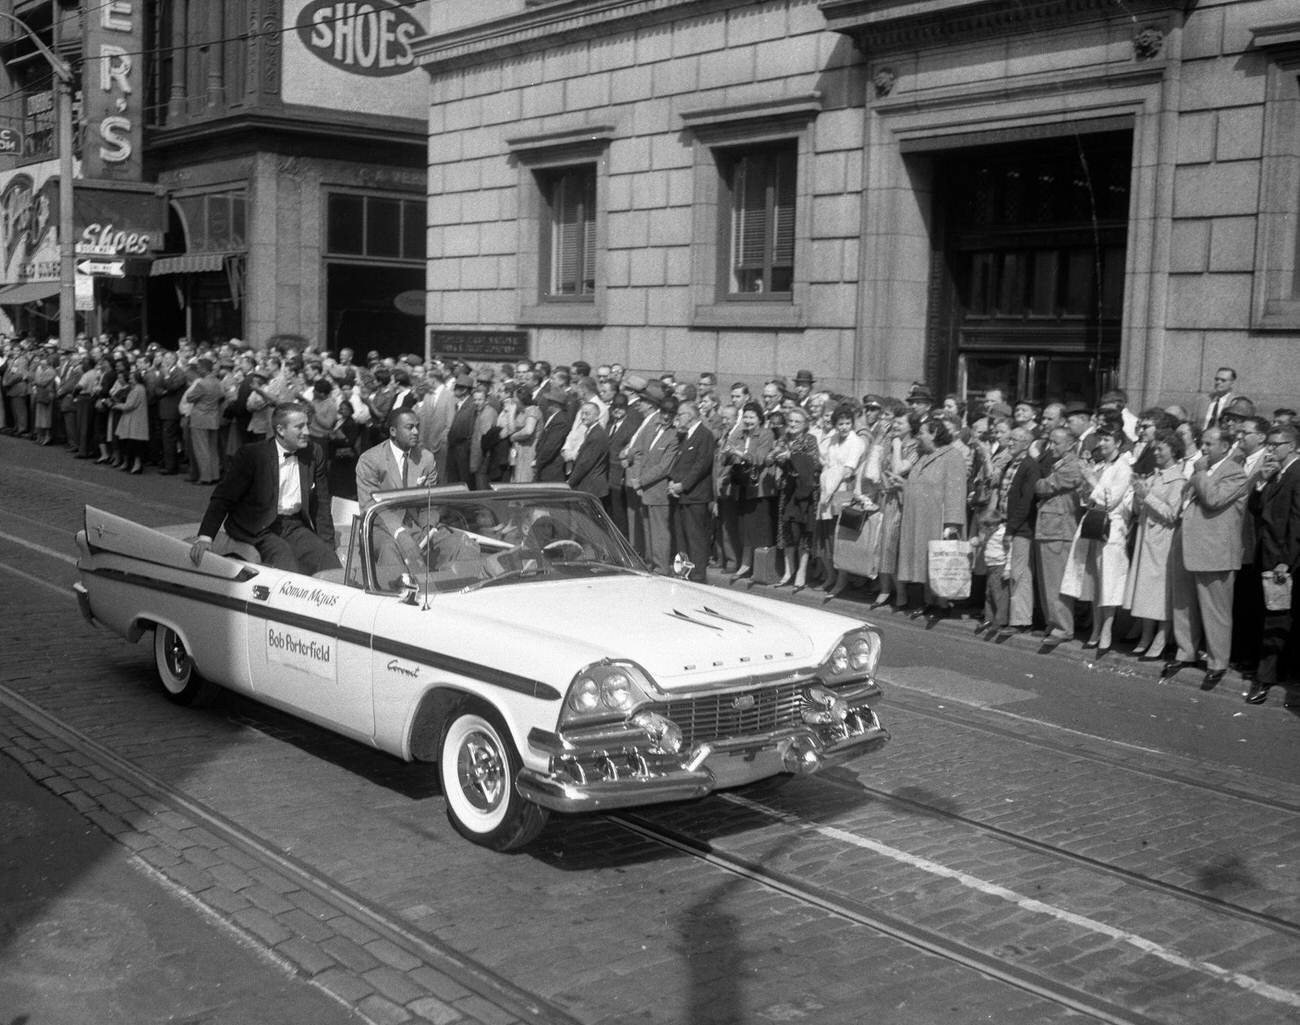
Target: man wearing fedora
point(651, 483)
point(920, 400)
point(548, 453)
point(645, 396)
point(803, 388)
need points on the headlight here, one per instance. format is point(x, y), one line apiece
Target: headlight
point(605, 691)
point(855, 655)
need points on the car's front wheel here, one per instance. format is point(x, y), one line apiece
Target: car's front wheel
point(478, 764)
point(181, 682)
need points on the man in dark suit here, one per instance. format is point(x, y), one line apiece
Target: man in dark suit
point(590, 471)
point(622, 426)
point(690, 488)
point(461, 432)
point(1277, 515)
point(548, 454)
point(275, 496)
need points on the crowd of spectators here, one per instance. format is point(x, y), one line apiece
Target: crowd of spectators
point(1164, 528)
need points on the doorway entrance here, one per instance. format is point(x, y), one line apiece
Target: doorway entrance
point(1034, 237)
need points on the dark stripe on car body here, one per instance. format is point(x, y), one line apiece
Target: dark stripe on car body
point(410, 652)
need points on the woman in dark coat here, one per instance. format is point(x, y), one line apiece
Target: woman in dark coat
point(746, 456)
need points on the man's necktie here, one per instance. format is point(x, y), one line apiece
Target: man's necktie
point(1214, 413)
point(406, 466)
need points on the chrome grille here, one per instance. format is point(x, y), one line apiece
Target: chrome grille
point(739, 714)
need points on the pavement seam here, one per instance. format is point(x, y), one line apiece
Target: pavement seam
point(166, 832)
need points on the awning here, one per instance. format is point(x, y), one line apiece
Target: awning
point(28, 292)
point(189, 263)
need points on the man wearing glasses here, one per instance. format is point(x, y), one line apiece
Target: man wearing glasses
point(1210, 407)
point(1277, 510)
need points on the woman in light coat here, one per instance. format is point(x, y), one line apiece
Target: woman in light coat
point(842, 452)
point(1157, 504)
point(934, 507)
point(1097, 571)
point(132, 427)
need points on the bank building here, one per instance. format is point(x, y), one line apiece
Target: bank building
point(1053, 196)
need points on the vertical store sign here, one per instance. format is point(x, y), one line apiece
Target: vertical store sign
point(113, 90)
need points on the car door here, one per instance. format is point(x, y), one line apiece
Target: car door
point(309, 650)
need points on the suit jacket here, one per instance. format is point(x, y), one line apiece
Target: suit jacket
point(590, 471)
point(1201, 408)
point(619, 437)
point(206, 396)
point(1021, 500)
point(548, 453)
point(245, 500)
point(1058, 500)
point(1212, 519)
point(692, 467)
point(1277, 508)
point(659, 455)
point(435, 412)
point(379, 470)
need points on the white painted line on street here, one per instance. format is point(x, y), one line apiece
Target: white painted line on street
point(1167, 954)
point(39, 548)
point(1078, 733)
point(61, 591)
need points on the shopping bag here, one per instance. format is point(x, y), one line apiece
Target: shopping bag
point(1277, 594)
point(948, 569)
point(856, 548)
point(765, 567)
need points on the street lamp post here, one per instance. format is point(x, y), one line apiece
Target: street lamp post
point(67, 245)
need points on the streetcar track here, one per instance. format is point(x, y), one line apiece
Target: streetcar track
point(1047, 743)
point(893, 926)
point(1028, 843)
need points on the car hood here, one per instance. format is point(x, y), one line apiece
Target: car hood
point(676, 631)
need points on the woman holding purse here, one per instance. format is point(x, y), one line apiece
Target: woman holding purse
point(841, 453)
point(745, 455)
point(1097, 569)
point(798, 457)
point(934, 509)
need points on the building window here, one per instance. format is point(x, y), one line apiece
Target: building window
point(752, 213)
point(379, 227)
point(563, 234)
point(759, 222)
point(569, 233)
point(215, 222)
point(1276, 302)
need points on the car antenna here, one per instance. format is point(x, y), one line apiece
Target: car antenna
point(428, 518)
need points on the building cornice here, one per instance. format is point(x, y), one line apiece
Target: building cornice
point(545, 26)
point(885, 26)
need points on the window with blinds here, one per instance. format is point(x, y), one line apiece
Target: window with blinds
point(569, 267)
point(761, 205)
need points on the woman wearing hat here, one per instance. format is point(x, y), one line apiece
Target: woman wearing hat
point(746, 454)
point(1097, 570)
point(934, 507)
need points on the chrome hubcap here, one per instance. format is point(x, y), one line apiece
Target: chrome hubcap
point(481, 772)
point(177, 659)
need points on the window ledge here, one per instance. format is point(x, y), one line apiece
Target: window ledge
point(575, 314)
point(756, 316)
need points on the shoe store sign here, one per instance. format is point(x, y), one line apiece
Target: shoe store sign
point(113, 90)
point(348, 54)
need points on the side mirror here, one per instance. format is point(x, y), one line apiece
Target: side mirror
point(682, 566)
point(410, 590)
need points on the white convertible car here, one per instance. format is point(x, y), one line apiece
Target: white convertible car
point(514, 638)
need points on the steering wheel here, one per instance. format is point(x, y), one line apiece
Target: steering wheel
point(561, 544)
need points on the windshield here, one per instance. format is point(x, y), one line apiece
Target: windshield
point(451, 542)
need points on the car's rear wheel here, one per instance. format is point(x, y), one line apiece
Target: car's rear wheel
point(180, 681)
point(478, 764)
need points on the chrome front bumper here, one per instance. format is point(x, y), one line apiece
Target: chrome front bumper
point(630, 775)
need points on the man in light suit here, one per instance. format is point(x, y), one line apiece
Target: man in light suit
point(275, 496)
point(690, 486)
point(1277, 514)
point(435, 411)
point(646, 396)
point(651, 484)
point(1210, 549)
point(399, 462)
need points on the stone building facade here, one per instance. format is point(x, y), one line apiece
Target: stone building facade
point(1056, 196)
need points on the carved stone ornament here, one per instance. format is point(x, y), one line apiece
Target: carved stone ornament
point(1148, 43)
point(884, 81)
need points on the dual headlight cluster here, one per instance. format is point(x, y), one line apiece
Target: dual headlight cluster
point(857, 654)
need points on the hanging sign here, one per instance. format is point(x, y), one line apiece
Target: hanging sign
point(112, 90)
